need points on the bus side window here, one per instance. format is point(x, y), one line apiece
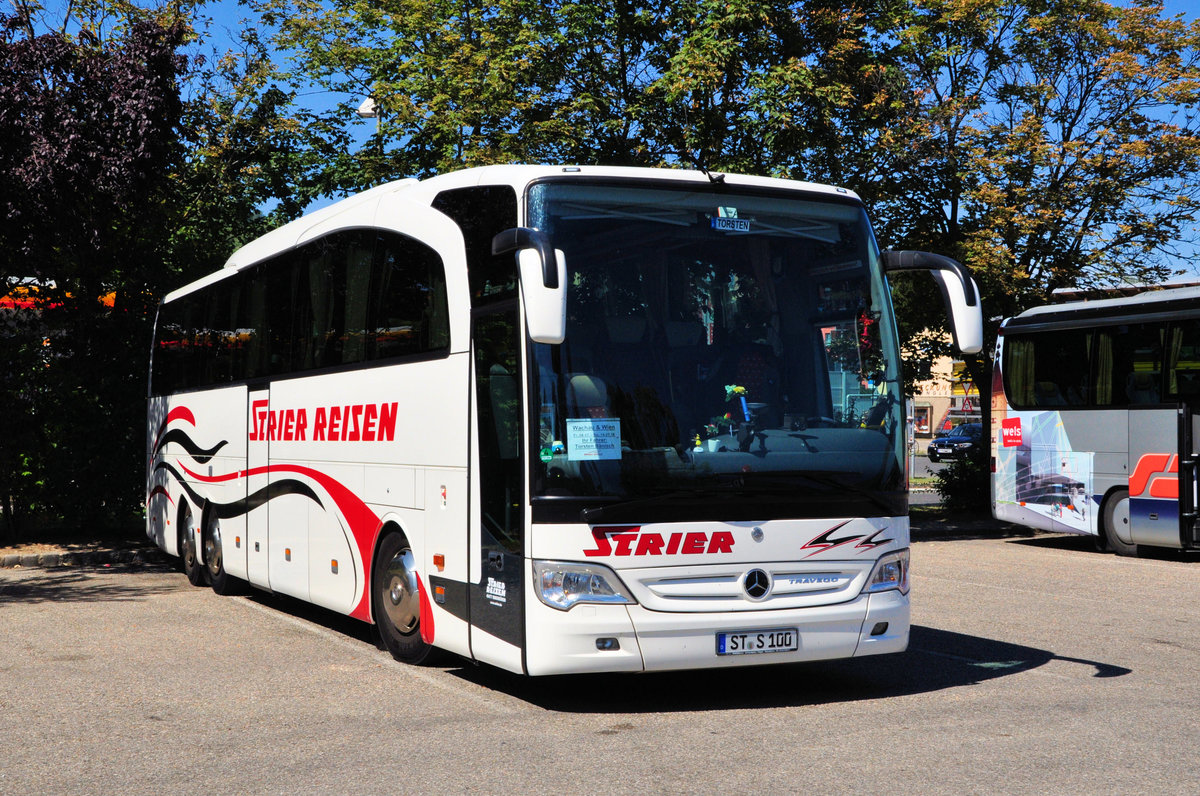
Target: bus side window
point(320, 307)
point(410, 313)
point(482, 212)
point(332, 294)
point(281, 277)
point(254, 321)
point(357, 254)
point(1129, 363)
point(1049, 369)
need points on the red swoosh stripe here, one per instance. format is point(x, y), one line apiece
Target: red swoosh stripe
point(364, 523)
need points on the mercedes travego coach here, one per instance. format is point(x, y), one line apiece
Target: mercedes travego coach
point(554, 419)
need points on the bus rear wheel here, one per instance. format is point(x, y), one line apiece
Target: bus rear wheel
point(214, 559)
point(396, 600)
point(1116, 521)
point(189, 562)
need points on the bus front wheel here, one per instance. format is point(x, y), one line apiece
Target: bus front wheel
point(396, 600)
point(1116, 524)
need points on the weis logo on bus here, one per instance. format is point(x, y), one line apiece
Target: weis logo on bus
point(631, 540)
point(1010, 432)
point(351, 423)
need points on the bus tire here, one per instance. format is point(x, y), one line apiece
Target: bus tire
point(189, 562)
point(1116, 514)
point(396, 600)
point(214, 558)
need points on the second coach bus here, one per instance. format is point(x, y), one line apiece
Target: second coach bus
point(554, 419)
point(1093, 419)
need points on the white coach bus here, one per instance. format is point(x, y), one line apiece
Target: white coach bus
point(554, 419)
point(1093, 427)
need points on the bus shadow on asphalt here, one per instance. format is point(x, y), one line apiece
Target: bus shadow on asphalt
point(1086, 544)
point(75, 585)
point(962, 533)
point(936, 660)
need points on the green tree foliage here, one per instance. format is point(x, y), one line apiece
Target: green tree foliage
point(800, 89)
point(87, 136)
point(460, 83)
point(246, 148)
point(1060, 144)
point(117, 187)
point(1046, 143)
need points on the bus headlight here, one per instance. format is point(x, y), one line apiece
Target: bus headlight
point(562, 584)
point(891, 572)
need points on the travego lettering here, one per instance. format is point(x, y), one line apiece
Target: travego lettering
point(632, 541)
point(349, 423)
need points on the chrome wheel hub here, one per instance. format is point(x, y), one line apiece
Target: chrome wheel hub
point(212, 548)
point(401, 600)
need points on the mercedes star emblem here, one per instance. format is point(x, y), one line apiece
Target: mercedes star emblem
point(757, 584)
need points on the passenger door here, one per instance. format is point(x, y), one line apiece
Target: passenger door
point(496, 598)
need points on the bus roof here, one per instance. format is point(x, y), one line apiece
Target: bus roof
point(357, 210)
point(1162, 304)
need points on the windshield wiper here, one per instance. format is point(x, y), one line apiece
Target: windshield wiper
point(827, 478)
point(593, 514)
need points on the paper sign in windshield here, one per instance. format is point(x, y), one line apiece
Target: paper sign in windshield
point(593, 439)
point(731, 224)
point(727, 221)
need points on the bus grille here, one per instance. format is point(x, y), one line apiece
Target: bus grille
point(722, 588)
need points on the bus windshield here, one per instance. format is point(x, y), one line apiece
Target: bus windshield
point(720, 343)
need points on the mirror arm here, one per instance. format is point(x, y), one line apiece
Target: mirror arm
point(926, 261)
point(517, 238)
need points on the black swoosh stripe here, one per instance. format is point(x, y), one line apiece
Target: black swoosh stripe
point(179, 436)
point(224, 511)
point(288, 486)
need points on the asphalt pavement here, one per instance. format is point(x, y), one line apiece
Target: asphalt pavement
point(1035, 666)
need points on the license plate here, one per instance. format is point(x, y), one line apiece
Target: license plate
point(945, 450)
point(746, 642)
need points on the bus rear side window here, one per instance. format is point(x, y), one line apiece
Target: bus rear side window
point(1129, 364)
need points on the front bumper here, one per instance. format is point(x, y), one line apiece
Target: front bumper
point(561, 642)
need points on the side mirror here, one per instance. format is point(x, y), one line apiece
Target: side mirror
point(543, 275)
point(959, 292)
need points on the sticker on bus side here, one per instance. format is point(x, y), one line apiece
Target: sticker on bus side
point(1010, 432)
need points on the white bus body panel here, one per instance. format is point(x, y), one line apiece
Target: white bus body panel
point(320, 445)
point(193, 440)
